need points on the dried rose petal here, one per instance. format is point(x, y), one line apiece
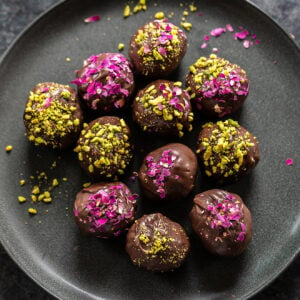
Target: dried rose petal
point(204, 45)
point(289, 161)
point(229, 27)
point(206, 38)
point(92, 19)
point(246, 44)
point(241, 35)
point(217, 31)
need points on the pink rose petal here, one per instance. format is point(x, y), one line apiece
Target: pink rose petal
point(92, 19)
point(229, 27)
point(206, 38)
point(204, 45)
point(215, 50)
point(217, 31)
point(289, 161)
point(246, 44)
point(241, 35)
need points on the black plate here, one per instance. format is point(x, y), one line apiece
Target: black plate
point(51, 250)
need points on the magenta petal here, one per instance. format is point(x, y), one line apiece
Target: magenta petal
point(204, 45)
point(206, 38)
point(217, 31)
point(92, 19)
point(246, 44)
point(229, 27)
point(289, 161)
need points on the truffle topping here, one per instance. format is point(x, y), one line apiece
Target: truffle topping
point(225, 148)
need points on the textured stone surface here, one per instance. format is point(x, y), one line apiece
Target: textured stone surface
point(17, 14)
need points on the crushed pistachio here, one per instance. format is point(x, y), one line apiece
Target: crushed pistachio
point(186, 25)
point(8, 148)
point(21, 199)
point(32, 211)
point(121, 46)
point(159, 15)
point(22, 182)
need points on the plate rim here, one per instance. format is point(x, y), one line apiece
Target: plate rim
point(70, 287)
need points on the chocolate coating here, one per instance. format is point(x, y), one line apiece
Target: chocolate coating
point(222, 221)
point(105, 82)
point(157, 48)
point(163, 108)
point(156, 243)
point(104, 149)
point(52, 115)
point(104, 209)
point(226, 151)
point(217, 86)
point(168, 173)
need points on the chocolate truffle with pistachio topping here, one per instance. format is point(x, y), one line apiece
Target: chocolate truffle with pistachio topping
point(168, 173)
point(104, 148)
point(52, 115)
point(222, 221)
point(163, 108)
point(156, 243)
point(105, 82)
point(217, 86)
point(104, 209)
point(157, 48)
point(226, 151)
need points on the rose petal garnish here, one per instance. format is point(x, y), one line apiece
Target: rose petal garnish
point(215, 50)
point(92, 19)
point(246, 44)
point(289, 161)
point(241, 35)
point(204, 45)
point(206, 38)
point(229, 27)
point(217, 31)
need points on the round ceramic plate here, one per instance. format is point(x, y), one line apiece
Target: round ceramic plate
point(49, 246)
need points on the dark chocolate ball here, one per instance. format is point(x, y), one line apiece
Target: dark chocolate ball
point(157, 48)
point(222, 221)
point(156, 243)
point(163, 108)
point(168, 173)
point(105, 209)
point(52, 115)
point(217, 86)
point(226, 151)
point(104, 149)
point(105, 82)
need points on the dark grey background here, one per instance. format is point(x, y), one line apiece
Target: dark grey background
point(14, 16)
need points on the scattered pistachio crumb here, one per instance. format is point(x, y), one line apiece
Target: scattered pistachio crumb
point(127, 11)
point(39, 221)
point(193, 8)
point(65, 179)
point(159, 15)
point(35, 190)
point(121, 46)
point(55, 182)
point(32, 211)
point(22, 182)
point(186, 25)
point(86, 184)
point(21, 199)
point(68, 59)
point(185, 13)
point(8, 148)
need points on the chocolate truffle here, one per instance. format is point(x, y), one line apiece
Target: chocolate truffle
point(163, 108)
point(52, 115)
point(168, 173)
point(222, 221)
point(105, 209)
point(157, 48)
point(104, 148)
point(105, 82)
point(226, 151)
point(217, 86)
point(156, 243)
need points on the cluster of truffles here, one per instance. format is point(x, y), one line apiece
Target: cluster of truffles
point(225, 151)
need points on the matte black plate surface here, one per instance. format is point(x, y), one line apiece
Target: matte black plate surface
point(51, 250)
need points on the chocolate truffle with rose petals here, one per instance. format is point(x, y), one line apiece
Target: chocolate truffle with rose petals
point(217, 86)
point(104, 209)
point(105, 82)
point(168, 173)
point(222, 221)
point(52, 115)
point(157, 48)
point(163, 108)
